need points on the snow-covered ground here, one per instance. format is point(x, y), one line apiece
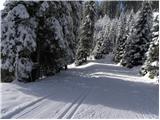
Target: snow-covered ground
point(99, 89)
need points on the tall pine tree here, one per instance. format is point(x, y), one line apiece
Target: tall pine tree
point(151, 65)
point(86, 33)
point(122, 36)
point(18, 40)
point(102, 42)
point(37, 40)
point(138, 42)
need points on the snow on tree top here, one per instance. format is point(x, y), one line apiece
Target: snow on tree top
point(18, 12)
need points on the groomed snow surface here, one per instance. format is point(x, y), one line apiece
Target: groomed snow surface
point(99, 89)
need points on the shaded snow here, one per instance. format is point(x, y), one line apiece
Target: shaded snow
point(99, 89)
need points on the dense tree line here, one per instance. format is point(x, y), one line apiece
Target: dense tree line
point(139, 38)
point(40, 38)
point(114, 8)
point(36, 39)
point(134, 37)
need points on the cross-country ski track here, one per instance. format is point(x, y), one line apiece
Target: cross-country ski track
point(98, 89)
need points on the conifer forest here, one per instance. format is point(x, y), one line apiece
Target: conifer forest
point(79, 59)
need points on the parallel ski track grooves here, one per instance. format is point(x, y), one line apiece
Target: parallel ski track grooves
point(13, 113)
point(72, 108)
point(30, 110)
point(77, 106)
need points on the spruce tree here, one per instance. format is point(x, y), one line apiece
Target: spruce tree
point(130, 15)
point(126, 26)
point(98, 38)
point(101, 38)
point(36, 39)
point(18, 41)
point(151, 65)
point(97, 53)
point(121, 38)
point(107, 44)
point(113, 32)
point(110, 8)
point(138, 42)
point(57, 35)
point(86, 33)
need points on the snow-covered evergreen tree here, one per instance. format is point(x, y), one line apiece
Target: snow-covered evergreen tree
point(125, 25)
point(113, 32)
point(102, 42)
point(107, 42)
point(121, 38)
point(86, 33)
point(138, 42)
point(110, 8)
point(151, 65)
point(98, 40)
point(57, 34)
point(36, 40)
point(18, 42)
point(130, 15)
point(76, 15)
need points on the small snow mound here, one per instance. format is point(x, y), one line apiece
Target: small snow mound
point(155, 80)
point(82, 66)
point(72, 65)
point(119, 64)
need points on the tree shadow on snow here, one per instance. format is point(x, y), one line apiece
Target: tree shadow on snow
point(110, 90)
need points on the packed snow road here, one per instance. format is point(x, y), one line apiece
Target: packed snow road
point(99, 89)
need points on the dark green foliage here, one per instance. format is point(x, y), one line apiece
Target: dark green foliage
point(57, 35)
point(86, 33)
point(7, 76)
point(52, 27)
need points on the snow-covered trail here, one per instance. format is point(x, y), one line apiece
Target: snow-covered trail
point(99, 89)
